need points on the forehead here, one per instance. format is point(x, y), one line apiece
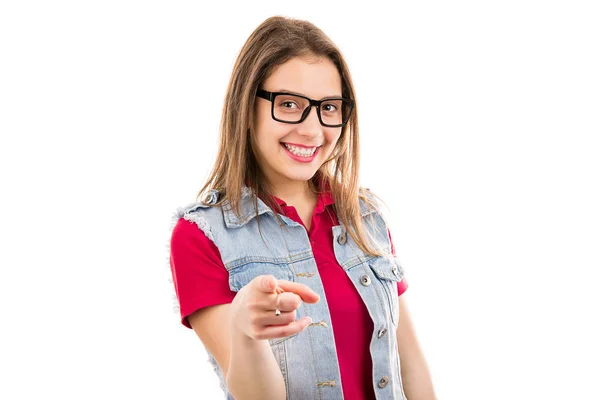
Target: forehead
point(316, 78)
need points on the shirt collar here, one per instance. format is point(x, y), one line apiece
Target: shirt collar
point(324, 199)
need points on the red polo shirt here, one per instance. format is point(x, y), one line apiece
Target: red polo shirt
point(201, 280)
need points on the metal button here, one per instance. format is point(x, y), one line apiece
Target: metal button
point(381, 333)
point(383, 382)
point(341, 239)
point(365, 280)
point(213, 197)
point(395, 270)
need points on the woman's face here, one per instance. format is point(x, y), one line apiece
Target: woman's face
point(284, 149)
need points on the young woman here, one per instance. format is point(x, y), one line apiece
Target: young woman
point(286, 270)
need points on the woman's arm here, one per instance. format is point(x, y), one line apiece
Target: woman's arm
point(249, 366)
point(415, 373)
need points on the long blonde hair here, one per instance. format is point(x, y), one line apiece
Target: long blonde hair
point(274, 42)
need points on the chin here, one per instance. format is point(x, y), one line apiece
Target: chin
point(299, 176)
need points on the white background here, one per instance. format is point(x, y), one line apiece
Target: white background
point(479, 123)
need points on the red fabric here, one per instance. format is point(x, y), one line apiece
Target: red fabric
point(201, 280)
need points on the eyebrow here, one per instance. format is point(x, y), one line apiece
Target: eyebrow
point(302, 94)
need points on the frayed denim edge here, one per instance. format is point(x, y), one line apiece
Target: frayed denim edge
point(202, 224)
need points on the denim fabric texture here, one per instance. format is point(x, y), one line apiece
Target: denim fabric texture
point(308, 360)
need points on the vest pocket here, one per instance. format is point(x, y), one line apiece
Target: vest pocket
point(242, 275)
point(389, 273)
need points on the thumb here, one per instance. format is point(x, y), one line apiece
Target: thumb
point(266, 283)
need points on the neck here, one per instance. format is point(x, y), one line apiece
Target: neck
point(292, 192)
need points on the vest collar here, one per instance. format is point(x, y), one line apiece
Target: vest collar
point(248, 212)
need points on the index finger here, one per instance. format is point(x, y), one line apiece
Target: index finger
point(305, 293)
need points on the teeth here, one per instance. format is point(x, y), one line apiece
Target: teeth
point(300, 151)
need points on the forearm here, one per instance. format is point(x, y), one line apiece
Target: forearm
point(416, 380)
point(253, 372)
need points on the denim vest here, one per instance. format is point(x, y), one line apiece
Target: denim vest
point(308, 360)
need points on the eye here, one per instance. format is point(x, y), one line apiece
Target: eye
point(329, 107)
point(288, 104)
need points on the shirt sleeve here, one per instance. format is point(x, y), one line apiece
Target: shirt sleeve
point(402, 285)
point(199, 276)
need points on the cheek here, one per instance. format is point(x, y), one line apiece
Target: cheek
point(268, 135)
point(332, 137)
point(262, 119)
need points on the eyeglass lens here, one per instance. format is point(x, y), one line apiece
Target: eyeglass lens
point(291, 108)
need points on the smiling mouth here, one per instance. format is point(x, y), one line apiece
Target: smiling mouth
point(300, 151)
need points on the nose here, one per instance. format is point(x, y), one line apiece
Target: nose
point(311, 126)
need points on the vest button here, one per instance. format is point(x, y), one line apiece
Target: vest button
point(395, 270)
point(213, 197)
point(341, 239)
point(365, 280)
point(381, 333)
point(383, 382)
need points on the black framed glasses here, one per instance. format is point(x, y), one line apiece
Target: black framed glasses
point(291, 108)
